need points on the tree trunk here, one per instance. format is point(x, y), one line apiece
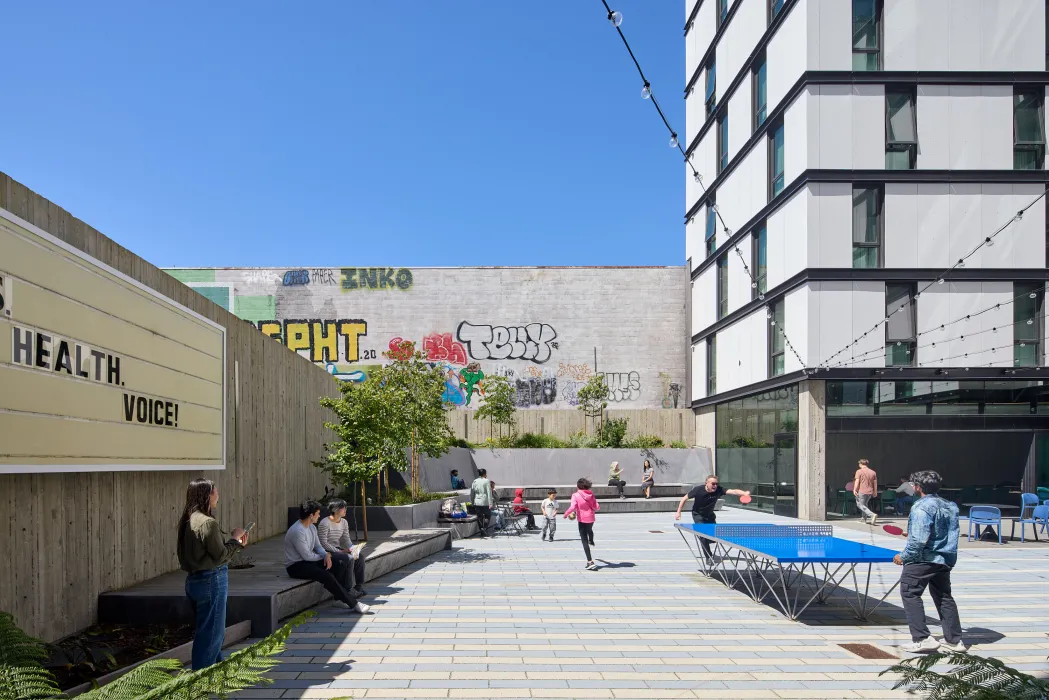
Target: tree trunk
point(414, 467)
point(364, 509)
point(378, 489)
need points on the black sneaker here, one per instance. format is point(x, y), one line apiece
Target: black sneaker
point(359, 592)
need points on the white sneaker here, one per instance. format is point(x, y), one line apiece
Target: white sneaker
point(927, 644)
point(874, 519)
point(959, 647)
point(363, 609)
point(591, 566)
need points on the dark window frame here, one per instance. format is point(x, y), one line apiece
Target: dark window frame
point(879, 17)
point(1036, 147)
point(760, 285)
point(777, 314)
point(722, 140)
point(712, 369)
point(777, 182)
point(879, 245)
point(774, 8)
point(710, 235)
point(894, 146)
point(721, 286)
point(759, 110)
point(721, 12)
point(1020, 323)
point(909, 342)
point(710, 87)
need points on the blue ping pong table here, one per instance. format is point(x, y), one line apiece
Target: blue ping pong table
point(776, 560)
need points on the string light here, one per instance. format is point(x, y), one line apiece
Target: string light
point(616, 18)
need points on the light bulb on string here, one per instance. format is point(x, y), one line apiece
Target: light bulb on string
point(961, 262)
point(714, 208)
point(1030, 322)
point(698, 178)
point(988, 241)
point(616, 18)
point(761, 297)
point(673, 140)
point(939, 281)
point(1032, 295)
point(646, 91)
point(753, 285)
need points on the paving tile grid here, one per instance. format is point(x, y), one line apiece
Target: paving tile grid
point(515, 617)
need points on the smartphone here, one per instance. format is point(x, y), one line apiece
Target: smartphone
point(248, 528)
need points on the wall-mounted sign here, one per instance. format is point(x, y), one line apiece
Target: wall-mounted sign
point(97, 371)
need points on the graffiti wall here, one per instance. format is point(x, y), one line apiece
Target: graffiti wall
point(548, 330)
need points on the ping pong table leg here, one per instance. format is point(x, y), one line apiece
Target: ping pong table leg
point(863, 599)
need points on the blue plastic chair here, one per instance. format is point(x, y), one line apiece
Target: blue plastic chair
point(1028, 503)
point(984, 515)
point(1040, 515)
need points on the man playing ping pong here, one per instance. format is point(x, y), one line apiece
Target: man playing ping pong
point(705, 497)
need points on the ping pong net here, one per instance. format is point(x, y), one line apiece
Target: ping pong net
point(766, 531)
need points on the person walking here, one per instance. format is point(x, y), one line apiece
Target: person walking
point(648, 478)
point(584, 509)
point(204, 555)
point(927, 560)
point(704, 499)
point(305, 558)
point(334, 535)
point(549, 508)
point(864, 488)
point(483, 499)
point(615, 478)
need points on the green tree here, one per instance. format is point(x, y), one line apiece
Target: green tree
point(22, 677)
point(593, 397)
point(498, 406)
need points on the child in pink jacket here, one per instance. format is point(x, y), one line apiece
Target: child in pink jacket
point(583, 509)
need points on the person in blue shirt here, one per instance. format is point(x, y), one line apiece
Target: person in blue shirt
point(457, 482)
point(927, 560)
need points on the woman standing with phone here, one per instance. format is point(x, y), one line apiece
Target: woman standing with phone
point(204, 556)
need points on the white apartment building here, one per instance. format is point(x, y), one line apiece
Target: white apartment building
point(851, 152)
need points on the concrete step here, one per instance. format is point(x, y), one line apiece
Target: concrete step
point(602, 491)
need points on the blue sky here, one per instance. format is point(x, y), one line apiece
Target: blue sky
point(393, 132)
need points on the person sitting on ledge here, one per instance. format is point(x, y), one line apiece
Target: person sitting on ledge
point(334, 534)
point(305, 558)
point(457, 482)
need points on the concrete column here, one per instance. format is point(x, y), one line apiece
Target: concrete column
point(705, 436)
point(812, 450)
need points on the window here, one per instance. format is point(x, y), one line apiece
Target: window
point(866, 35)
point(901, 130)
point(967, 398)
point(723, 141)
point(760, 92)
point(712, 366)
point(759, 261)
point(1028, 325)
point(900, 333)
point(722, 12)
point(775, 161)
point(867, 226)
point(709, 98)
point(722, 286)
point(1029, 129)
point(774, 7)
point(712, 227)
point(776, 344)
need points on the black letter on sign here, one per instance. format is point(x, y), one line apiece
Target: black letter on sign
point(158, 416)
point(113, 364)
point(129, 407)
point(404, 278)
point(176, 415)
point(142, 410)
point(22, 346)
point(43, 355)
point(386, 277)
point(62, 358)
point(167, 413)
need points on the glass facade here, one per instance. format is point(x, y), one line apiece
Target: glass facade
point(901, 130)
point(866, 35)
point(776, 181)
point(760, 93)
point(1029, 129)
point(957, 398)
point(867, 225)
point(1028, 325)
point(756, 448)
point(759, 263)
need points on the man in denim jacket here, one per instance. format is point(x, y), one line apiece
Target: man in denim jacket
point(930, 554)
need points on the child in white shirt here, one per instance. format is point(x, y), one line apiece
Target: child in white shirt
point(549, 509)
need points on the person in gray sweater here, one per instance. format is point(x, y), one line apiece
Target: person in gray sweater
point(334, 534)
point(305, 558)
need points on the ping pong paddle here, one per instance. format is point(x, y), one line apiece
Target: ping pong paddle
point(893, 529)
point(744, 499)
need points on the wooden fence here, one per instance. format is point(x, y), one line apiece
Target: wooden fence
point(668, 424)
point(68, 537)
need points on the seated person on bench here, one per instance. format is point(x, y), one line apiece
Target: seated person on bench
point(334, 534)
point(457, 481)
point(306, 559)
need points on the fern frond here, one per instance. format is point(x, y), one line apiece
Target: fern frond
point(137, 681)
point(16, 647)
point(27, 683)
point(970, 677)
point(243, 669)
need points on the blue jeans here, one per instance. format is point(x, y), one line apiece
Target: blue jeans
point(206, 591)
point(903, 503)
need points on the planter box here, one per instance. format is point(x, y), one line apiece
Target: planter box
point(382, 518)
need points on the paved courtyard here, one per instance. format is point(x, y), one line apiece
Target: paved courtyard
point(516, 617)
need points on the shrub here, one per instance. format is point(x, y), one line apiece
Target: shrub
point(403, 497)
point(612, 432)
point(457, 442)
point(582, 440)
point(644, 442)
point(679, 444)
point(539, 440)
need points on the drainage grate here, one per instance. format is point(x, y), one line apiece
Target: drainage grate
point(656, 532)
point(867, 651)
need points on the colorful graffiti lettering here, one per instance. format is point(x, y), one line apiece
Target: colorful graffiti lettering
point(623, 386)
point(472, 379)
point(576, 372)
point(296, 277)
point(376, 278)
point(440, 346)
point(530, 342)
point(261, 276)
point(321, 340)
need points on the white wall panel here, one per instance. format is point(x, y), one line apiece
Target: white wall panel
point(1012, 35)
point(934, 225)
point(742, 34)
point(695, 113)
point(744, 191)
point(868, 308)
point(704, 299)
point(830, 235)
point(694, 249)
point(899, 29)
point(964, 124)
point(947, 305)
point(901, 225)
point(703, 159)
point(742, 352)
point(934, 310)
point(740, 118)
point(699, 370)
point(787, 54)
point(1023, 243)
point(835, 137)
point(833, 308)
point(966, 221)
point(796, 323)
point(830, 30)
point(934, 135)
point(996, 127)
point(962, 22)
point(868, 127)
point(1000, 319)
point(795, 138)
point(701, 34)
point(739, 289)
point(845, 311)
point(932, 35)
